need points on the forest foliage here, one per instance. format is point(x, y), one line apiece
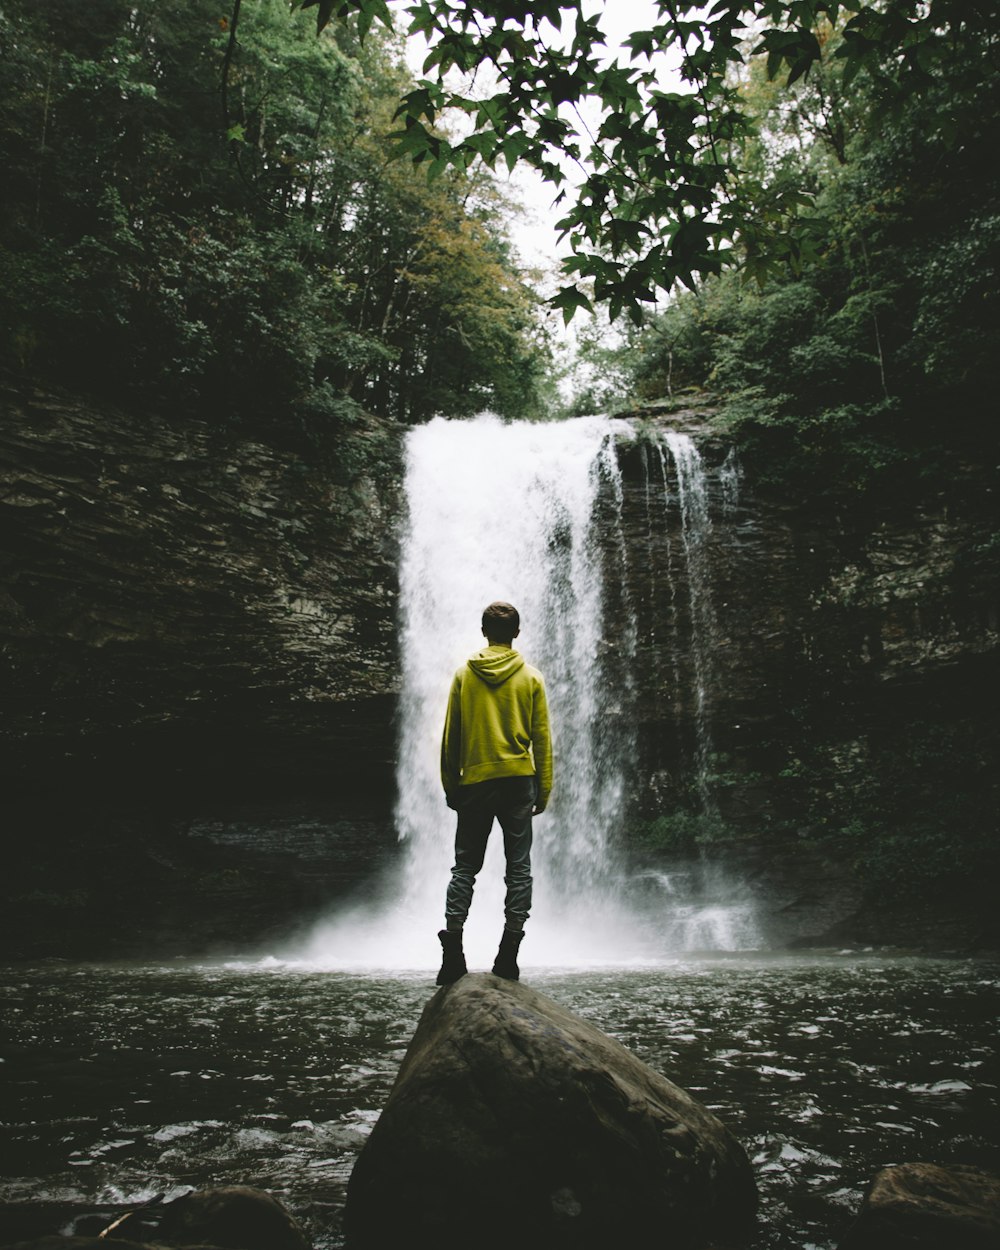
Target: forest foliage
point(652, 186)
point(209, 219)
point(209, 206)
point(870, 367)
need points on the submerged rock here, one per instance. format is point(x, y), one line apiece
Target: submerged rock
point(920, 1206)
point(514, 1122)
point(229, 1217)
point(233, 1216)
point(55, 1242)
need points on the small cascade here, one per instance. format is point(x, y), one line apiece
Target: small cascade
point(697, 906)
point(730, 479)
point(696, 530)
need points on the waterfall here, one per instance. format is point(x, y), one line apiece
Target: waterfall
point(696, 529)
point(699, 907)
point(531, 513)
point(508, 512)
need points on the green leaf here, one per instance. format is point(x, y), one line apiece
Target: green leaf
point(324, 11)
point(569, 300)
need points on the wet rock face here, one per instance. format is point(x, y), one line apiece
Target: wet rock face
point(820, 674)
point(515, 1122)
point(98, 881)
point(175, 596)
point(839, 616)
point(196, 646)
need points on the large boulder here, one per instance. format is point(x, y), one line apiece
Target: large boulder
point(920, 1206)
point(513, 1122)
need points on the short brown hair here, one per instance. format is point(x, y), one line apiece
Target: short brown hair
point(501, 622)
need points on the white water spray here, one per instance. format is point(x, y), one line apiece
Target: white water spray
point(509, 511)
point(529, 513)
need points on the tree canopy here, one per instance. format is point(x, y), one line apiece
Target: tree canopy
point(658, 196)
point(201, 205)
point(250, 252)
point(872, 367)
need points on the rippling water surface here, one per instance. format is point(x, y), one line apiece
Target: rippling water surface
point(122, 1081)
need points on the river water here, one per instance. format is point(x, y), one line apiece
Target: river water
point(122, 1081)
point(125, 1080)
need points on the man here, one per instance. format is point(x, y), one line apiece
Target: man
point(496, 762)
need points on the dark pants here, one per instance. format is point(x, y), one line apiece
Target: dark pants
point(509, 800)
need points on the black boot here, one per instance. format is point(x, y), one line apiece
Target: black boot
point(505, 964)
point(453, 964)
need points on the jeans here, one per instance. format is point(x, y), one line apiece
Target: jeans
point(509, 800)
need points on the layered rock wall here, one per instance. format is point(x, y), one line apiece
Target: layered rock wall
point(171, 590)
point(191, 620)
point(199, 677)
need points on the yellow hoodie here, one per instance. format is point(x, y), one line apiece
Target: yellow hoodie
point(497, 724)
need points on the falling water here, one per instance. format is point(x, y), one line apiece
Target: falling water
point(696, 528)
point(532, 513)
point(730, 479)
point(529, 513)
point(707, 909)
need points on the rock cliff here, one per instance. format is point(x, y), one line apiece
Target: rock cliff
point(188, 616)
point(846, 726)
point(162, 578)
point(199, 683)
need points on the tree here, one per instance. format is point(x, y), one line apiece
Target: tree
point(659, 200)
point(251, 253)
point(875, 363)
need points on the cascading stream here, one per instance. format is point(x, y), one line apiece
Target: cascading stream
point(531, 513)
point(511, 511)
point(708, 911)
point(696, 527)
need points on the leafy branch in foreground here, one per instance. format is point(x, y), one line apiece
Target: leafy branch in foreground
point(659, 199)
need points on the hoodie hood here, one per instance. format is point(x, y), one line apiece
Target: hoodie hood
point(495, 664)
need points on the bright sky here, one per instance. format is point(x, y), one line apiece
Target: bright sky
point(535, 236)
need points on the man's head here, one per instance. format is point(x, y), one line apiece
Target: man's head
point(501, 623)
